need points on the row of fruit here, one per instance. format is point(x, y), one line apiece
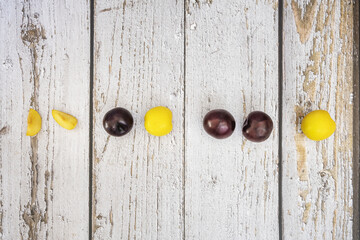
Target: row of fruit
point(218, 123)
point(257, 127)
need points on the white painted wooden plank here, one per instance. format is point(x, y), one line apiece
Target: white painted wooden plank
point(138, 178)
point(231, 63)
point(317, 176)
point(44, 58)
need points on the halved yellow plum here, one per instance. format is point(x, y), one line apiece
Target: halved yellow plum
point(34, 123)
point(65, 120)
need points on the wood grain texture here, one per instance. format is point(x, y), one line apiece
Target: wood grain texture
point(138, 178)
point(44, 58)
point(191, 56)
point(231, 63)
point(356, 126)
point(318, 74)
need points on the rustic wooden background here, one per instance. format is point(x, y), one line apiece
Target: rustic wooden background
point(85, 57)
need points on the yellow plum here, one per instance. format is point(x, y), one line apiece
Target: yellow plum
point(65, 120)
point(34, 123)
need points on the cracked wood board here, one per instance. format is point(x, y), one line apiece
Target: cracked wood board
point(231, 63)
point(138, 178)
point(318, 74)
point(44, 65)
point(356, 126)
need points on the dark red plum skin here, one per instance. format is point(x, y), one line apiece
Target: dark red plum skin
point(118, 122)
point(219, 123)
point(257, 126)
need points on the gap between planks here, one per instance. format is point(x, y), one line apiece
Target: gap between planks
point(280, 99)
point(91, 124)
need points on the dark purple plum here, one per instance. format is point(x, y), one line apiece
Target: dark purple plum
point(257, 126)
point(219, 123)
point(118, 122)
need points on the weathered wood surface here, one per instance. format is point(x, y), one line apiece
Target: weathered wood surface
point(138, 178)
point(191, 56)
point(318, 74)
point(44, 58)
point(356, 126)
point(231, 185)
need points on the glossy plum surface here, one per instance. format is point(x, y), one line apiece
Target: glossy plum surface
point(219, 123)
point(257, 126)
point(118, 122)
